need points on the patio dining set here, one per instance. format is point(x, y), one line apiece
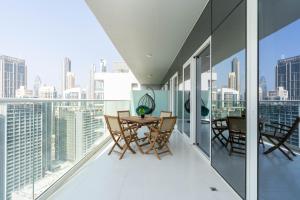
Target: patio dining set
point(275, 134)
point(124, 131)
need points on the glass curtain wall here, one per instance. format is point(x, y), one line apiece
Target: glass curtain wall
point(228, 140)
point(186, 99)
point(279, 100)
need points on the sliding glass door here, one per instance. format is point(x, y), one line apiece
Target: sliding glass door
point(279, 100)
point(186, 99)
point(174, 95)
point(203, 103)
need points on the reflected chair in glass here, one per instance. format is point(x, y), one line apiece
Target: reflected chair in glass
point(122, 137)
point(279, 135)
point(158, 137)
point(218, 127)
point(237, 135)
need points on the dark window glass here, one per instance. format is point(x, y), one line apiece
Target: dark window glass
point(228, 123)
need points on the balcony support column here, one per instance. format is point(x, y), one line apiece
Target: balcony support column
point(252, 100)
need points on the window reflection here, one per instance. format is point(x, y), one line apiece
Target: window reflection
point(279, 100)
point(186, 99)
point(228, 123)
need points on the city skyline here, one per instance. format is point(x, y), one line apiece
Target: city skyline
point(46, 40)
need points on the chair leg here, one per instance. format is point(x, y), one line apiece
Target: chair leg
point(127, 142)
point(168, 148)
point(138, 146)
point(125, 147)
point(156, 153)
point(116, 144)
point(150, 147)
point(276, 146)
point(291, 151)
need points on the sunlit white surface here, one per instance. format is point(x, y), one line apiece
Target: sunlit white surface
point(183, 176)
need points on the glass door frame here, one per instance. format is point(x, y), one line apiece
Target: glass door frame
point(188, 63)
point(193, 116)
point(172, 100)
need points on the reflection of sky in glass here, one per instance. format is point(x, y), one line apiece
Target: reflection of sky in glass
point(283, 43)
point(223, 68)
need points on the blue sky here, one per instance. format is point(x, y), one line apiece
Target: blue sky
point(44, 32)
point(283, 43)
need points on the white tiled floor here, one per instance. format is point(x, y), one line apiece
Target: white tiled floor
point(183, 176)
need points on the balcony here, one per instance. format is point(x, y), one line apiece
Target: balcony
point(185, 175)
point(60, 147)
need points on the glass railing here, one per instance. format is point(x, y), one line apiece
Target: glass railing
point(41, 140)
point(222, 109)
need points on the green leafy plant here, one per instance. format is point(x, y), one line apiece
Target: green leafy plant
point(141, 111)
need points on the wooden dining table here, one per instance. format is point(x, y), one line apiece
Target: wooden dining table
point(140, 122)
point(147, 120)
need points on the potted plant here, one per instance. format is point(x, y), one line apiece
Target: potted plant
point(141, 112)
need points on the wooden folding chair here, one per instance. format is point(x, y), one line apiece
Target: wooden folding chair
point(162, 114)
point(279, 137)
point(158, 138)
point(126, 124)
point(237, 134)
point(218, 126)
point(121, 135)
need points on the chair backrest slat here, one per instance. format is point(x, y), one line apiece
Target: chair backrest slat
point(236, 124)
point(167, 124)
point(123, 113)
point(113, 124)
point(165, 114)
point(293, 128)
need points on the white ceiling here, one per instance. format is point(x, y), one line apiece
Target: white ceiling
point(138, 28)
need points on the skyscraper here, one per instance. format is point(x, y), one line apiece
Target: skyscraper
point(235, 67)
point(66, 69)
point(263, 86)
point(103, 67)
point(231, 80)
point(36, 86)
point(70, 80)
point(287, 75)
point(20, 146)
point(13, 74)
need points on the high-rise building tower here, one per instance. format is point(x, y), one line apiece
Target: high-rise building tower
point(287, 75)
point(263, 86)
point(13, 75)
point(66, 69)
point(70, 80)
point(103, 67)
point(232, 80)
point(20, 146)
point(36, 86)
point(235, 67)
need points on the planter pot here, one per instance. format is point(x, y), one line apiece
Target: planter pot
point(142, 116)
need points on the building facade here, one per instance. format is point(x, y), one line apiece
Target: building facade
point(116, 85)
point(47, 92)
point(21, 146)
point(13, 75)
point(77, 129)
point(287, 75)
